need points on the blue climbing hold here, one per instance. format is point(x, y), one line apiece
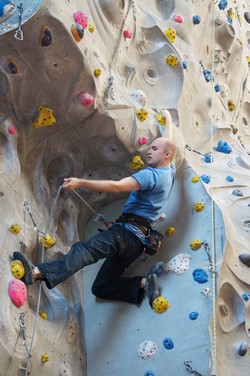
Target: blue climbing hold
point(222, 4)
point(208, 158)
point(149, 373)
point(196, 20)
point(245, 296)
point(217, 88)
point(200, 275)
point(237, 192)
point(243, 349)
point(168, 343)
point(230, 178)
point(205, 178)
point(224, 147)
point(194, 315)
point(184, 64)
point(207, 73)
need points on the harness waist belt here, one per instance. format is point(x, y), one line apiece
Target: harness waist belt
point(137, 220)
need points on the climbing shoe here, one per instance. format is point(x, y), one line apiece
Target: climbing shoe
point(151, 288)
point(29, 276)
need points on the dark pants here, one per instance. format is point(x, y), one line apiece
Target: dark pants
point(120, 251)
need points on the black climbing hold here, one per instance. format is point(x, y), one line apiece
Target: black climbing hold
point(242, 350)
point(13, 67)
point(46, 37)
point(245, 259)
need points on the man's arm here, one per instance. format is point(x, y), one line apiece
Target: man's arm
point(168, 130)
point(128, 184)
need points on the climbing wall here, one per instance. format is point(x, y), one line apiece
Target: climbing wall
point(83, 89)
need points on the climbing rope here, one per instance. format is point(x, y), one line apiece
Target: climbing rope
point(189, 368)
point(99, 216)
point(22, 330)
point(40, 282)
point(214, 275)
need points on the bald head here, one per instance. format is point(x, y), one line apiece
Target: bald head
point(161, 152)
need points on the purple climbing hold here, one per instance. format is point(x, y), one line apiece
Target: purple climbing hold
point(168, 343)
point(224, 147)
point(200, 275)
point(194, 315)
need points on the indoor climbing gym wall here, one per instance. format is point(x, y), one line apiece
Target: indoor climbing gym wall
point(85, 87)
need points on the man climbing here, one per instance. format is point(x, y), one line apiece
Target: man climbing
point(126, 239)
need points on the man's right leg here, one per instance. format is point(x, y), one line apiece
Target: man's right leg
point(102, 245)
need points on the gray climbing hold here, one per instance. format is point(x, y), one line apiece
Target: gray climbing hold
point(247, 17)
point(242, 350)
point(245, 259)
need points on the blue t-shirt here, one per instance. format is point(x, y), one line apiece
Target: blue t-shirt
point(155, 188)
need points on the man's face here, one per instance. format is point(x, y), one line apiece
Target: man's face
point(156, 154)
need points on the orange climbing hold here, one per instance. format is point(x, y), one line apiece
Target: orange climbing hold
point(45, 117)
point(78, 32)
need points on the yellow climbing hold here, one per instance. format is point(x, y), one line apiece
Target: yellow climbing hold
point(43, 315)
point(136, 163)
point(45, 117)
point(45, 358)
point(199, 206)
point(231, 105)
point(97, 72)
point(161, 119)
point(170, 231)
point(171, 34)
point(231, 14)
point(195, 179)
point(248, 59)
point(17, 269)
point(160, 304)
point(48, 241)
point(171, 59)
point(15, 228)
point(195, 244)
point(142, 114)
point(91, 28)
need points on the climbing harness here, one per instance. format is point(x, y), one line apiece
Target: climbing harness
point(22, 331)
point(189, 368)
point(19, 33)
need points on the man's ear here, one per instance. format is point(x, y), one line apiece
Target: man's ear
point(167, 154)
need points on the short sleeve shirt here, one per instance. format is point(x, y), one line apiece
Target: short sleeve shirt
point(155, 188)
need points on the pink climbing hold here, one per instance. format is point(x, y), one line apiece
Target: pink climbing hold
point(81, 18)
point(17, 292)
point(86, 99)
point(12, 129)
point(143, 140)
point(127, 34)
point(177, 18)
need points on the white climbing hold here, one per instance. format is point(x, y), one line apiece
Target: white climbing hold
point(147, 349)
point(179, 264)
point(139, 96)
